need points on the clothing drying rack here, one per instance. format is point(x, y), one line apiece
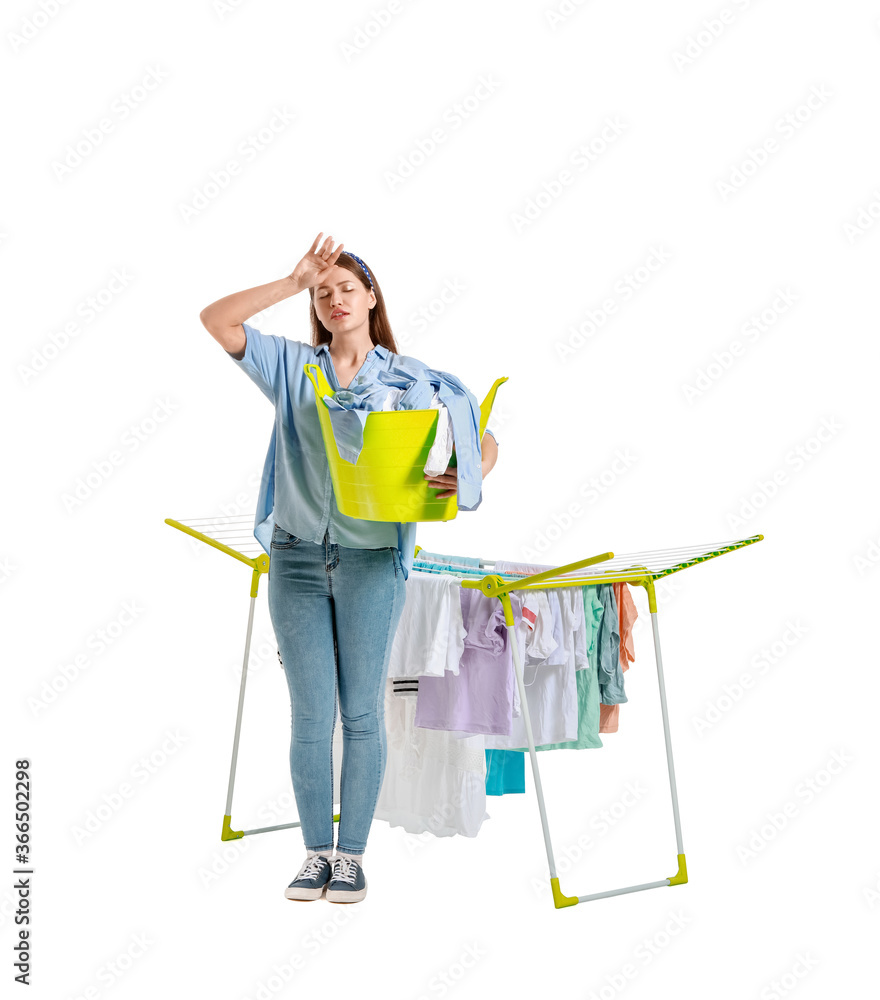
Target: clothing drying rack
point(234, 536)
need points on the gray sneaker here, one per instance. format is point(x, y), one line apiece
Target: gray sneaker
point(347, 883)
point(311, 880)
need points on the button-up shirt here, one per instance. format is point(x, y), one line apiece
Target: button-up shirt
point(296, 491)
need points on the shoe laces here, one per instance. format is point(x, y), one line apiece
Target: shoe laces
point(312, 867)
point(344, 870)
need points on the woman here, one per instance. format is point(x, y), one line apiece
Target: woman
point(337, 584)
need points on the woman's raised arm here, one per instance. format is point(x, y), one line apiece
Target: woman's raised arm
point(223, 319)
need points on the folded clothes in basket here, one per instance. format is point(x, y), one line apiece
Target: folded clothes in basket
point(349, 409)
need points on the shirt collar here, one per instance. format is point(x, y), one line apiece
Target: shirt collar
point(381, 350)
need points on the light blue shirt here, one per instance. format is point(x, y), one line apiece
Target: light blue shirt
point(295, 490)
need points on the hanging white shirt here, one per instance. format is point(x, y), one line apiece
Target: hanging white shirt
point(430, 634)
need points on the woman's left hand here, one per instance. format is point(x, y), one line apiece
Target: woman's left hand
point(448, 482)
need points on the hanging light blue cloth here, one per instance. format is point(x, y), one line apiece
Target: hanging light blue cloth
point(438, 558)
point(349, 409)
point(611, 683)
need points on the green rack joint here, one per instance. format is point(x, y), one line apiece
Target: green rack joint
point(559, 898)
point(681, 876)
point(262, 566)
point(228, 833)
point(508, 607)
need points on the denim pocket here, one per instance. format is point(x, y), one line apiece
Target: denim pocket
point(395, 558)
point(282, 539)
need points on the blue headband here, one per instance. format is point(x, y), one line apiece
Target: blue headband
point(362, 264)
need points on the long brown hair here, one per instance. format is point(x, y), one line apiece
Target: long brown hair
point(380, 328)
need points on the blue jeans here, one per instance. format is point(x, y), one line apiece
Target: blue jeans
point(335, 611)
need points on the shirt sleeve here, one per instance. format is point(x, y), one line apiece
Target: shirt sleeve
point(263, 360)
point(408, 363)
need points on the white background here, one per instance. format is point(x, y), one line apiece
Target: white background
point(795, 905)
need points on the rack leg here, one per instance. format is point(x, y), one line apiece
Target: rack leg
point(681, 875)
point(668, 739)
point(558, 898)
point(228, 833)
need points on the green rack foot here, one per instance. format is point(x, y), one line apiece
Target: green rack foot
point(228, 833)
point(681, 875)
point(559, 899)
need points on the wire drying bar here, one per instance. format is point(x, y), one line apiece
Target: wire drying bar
point(235, 531)
point(625, 567)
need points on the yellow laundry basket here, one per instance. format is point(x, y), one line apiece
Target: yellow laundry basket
point(387, 483)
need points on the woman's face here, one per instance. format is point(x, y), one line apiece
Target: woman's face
point(342, 302)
